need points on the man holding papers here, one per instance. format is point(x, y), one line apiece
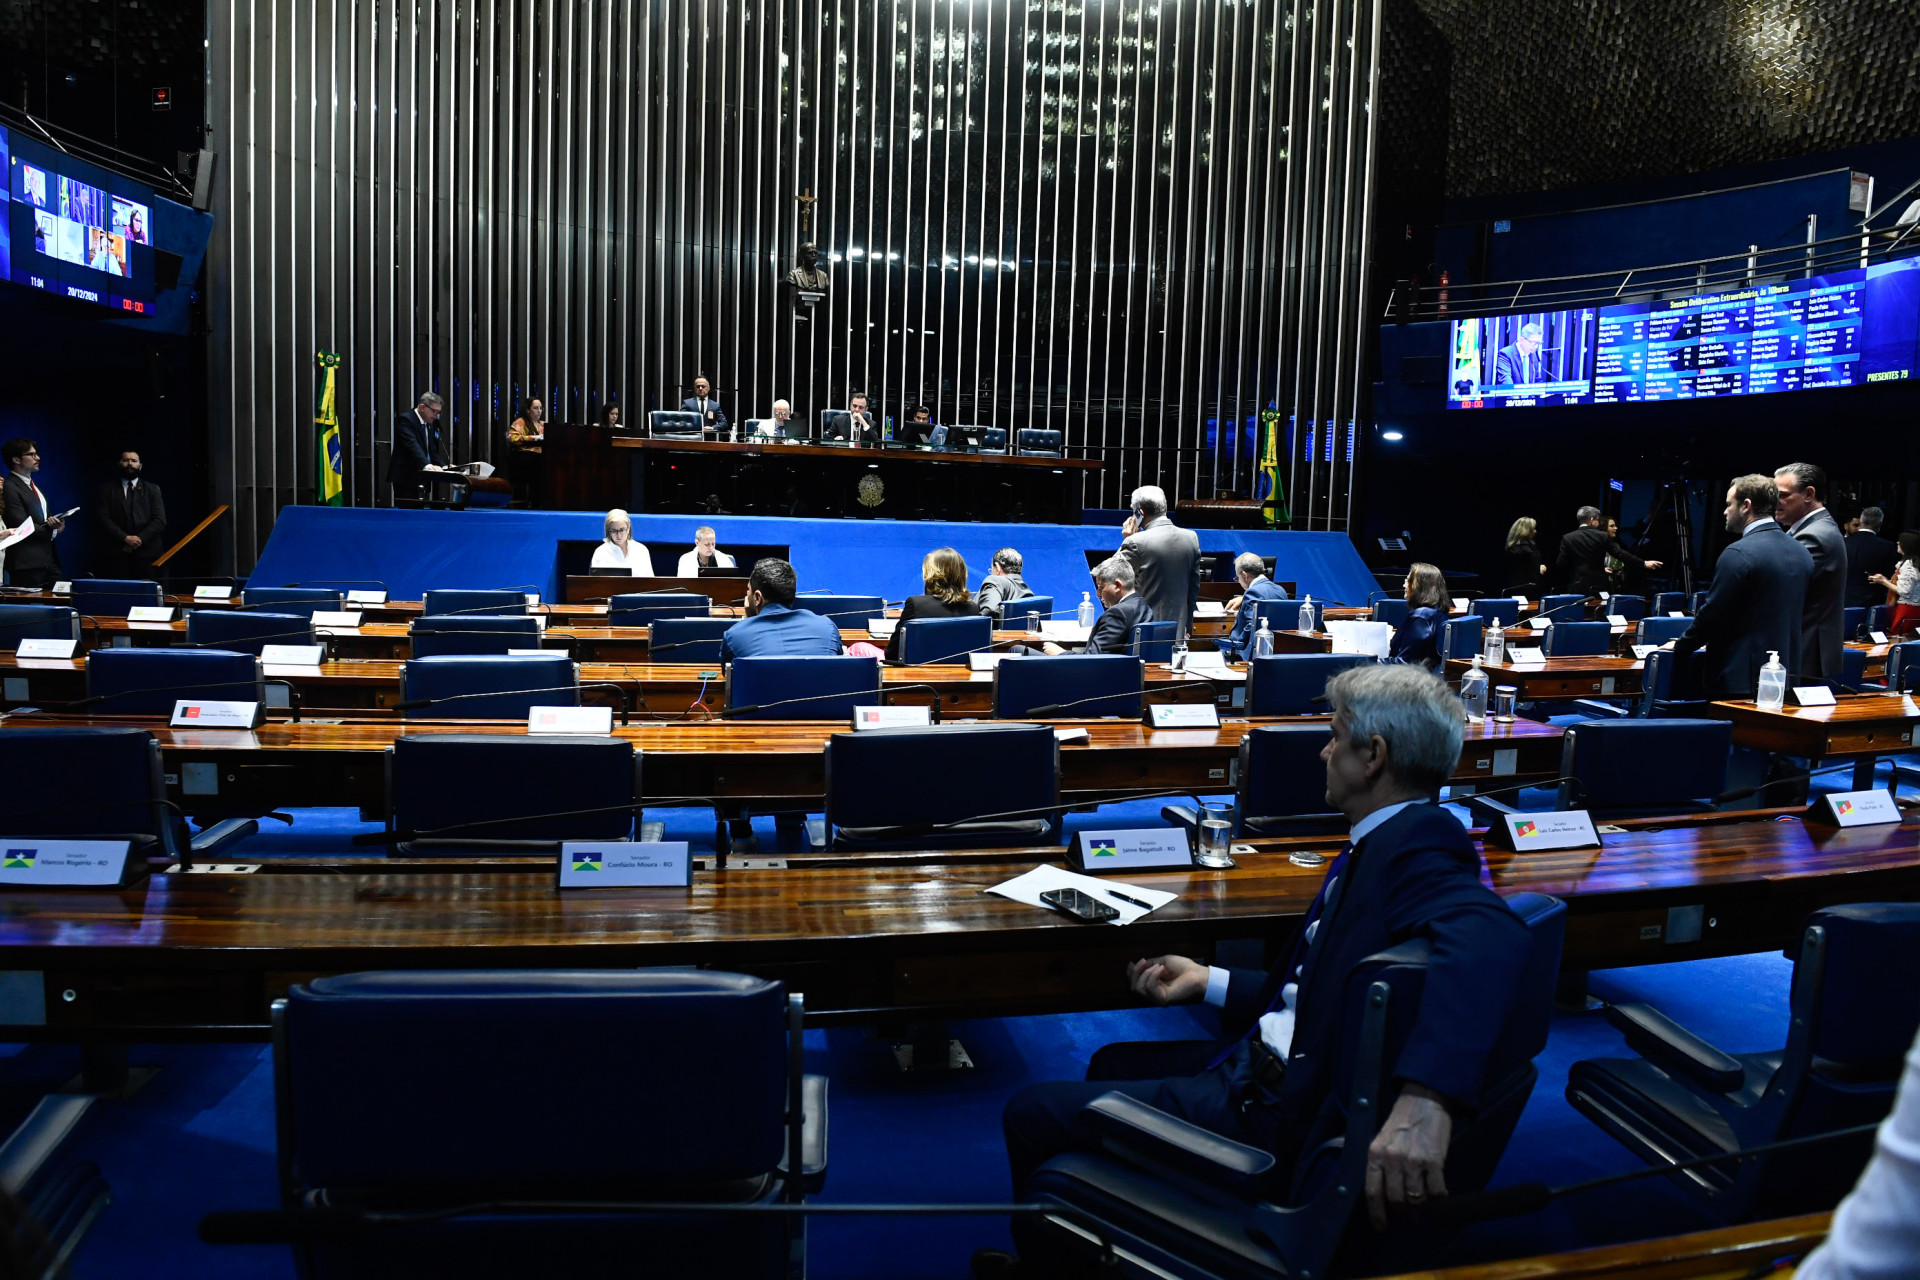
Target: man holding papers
point(32, 561)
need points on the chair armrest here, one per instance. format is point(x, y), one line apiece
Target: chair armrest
point(1674, 1049)
point(1151, 1136)
point(1184, 816)
point(28, 1147)
point(1486, 813)
point(216, 839)
point(813, 1133)
point(1602, 710)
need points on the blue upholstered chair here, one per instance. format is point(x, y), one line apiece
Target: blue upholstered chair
point(1279, 793)
point(849, 613)
point(1633, 768)
point(813, 688)
point(1632, 608)
point(1668, 602)
point(1153, 641)
point(388, 1090)
point(1391, 611)
point(1462, 637)
point(1026, 615)
point(1189, 1203)
point(301, 600)
point(471, 635)
point(1577, 639)
point(484, 792)
point(945, 641)
point(1853, 622)
point(1853, 672)
point(1286, 684)
point(698, 639)
point(36, 622)
point(1903, 670)
point(1699, 597)
point(1879, 618)
point(241, 631)
point(147, 682)
point(643, 609)
point(100, 783)
point(1563, 608)
point(484, 688)
point(1083, 686)
point(1670, 686)
point(1281, 615)
point(993, 780)
point(1501, 609)
point(471, 602)
point(1659, 630)
point(112, 597)
point(1854, 1007)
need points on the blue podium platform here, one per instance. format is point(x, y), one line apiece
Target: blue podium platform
point(411, 551)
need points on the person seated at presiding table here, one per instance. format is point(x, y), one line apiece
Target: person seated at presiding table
point(620, 551)
point(704, 555)
point(1113, 582)
point(944, 574)
point(1410, 871)
point(1003, 583)
point(773, 627)
point(1418, 638)
point(1251, 572)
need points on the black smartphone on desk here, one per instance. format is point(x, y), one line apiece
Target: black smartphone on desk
point(1079, 905)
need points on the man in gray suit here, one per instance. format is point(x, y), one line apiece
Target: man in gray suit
point(1803, 513)
point(1165, 558)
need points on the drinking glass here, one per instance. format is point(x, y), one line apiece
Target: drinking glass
point(1504, 696)
point(1214, 837)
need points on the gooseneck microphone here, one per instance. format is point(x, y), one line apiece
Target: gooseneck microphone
point(626, 706)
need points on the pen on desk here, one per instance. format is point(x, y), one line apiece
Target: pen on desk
point(1135, 901)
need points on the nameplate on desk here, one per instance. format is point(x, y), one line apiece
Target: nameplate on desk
point(1813, 695)
point(1459, 603)
point(84, 863)
point(527, 653)
point(366, 597)
point(983, 661)
point(1209, 608)
point(540, 624)
point(881, 628)
point(533, 598)
point(594, 720)
point(1640, 651)
point(1520, 599)
point(213, 593)
point(1526, 657)
point(1855, 808)
point(45, 649)
point(63, 588)
point(1676, 613)
point(1078, 733)
point(623, 864)
point(1539, 624)
point(1144, 849)
point(891, 717)
point(1183, 715)
point(150, 613)
point(340, 619)
point(1538, 832)
point(1616, 620)
point(195, 713)
point(293, 655)
point(1878, 637)
point(1206, 660)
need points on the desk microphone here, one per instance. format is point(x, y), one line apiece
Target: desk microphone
point(909, 829)
point(653, 650)
point(730, 713)
point(1179, 691)
point(223, 644)
point(1741, 793)
point(337, 582)
point(172, 688)
point(626, 705)
point(1578, 786)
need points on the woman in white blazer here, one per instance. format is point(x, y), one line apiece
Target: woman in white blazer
point(703, 555)
point(620, 551)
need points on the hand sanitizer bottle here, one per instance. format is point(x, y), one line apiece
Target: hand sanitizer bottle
point(1263, 640)
point(1495, 650)
point(1307, 616)
point(1773, 683)
point(1473, 691)
point(1085, 615)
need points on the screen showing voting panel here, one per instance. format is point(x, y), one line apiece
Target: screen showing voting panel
point(74, 229)
point(1837, 330)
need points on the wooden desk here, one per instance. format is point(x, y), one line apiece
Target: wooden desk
point(587, 588)
point(1559, 679)
point(1876, 667)
point(1726, 1253)
point(1863, 725)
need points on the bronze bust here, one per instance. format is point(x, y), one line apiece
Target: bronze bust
point(808, 276)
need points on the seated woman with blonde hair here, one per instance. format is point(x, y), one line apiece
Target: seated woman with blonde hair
point(945, 575)
point(620, 551)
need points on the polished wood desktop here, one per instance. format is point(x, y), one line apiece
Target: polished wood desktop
point(1559, 679)
point(1863, 725)
point(1745, 1252)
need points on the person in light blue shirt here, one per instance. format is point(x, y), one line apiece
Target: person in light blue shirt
point(1255, 586)
point(773, 627)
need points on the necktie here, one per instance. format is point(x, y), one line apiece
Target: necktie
point(38, 500)
point(1322, 908)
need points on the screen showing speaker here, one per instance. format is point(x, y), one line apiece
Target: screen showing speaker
point(74, 229)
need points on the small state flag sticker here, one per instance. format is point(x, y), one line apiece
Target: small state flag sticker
point(1524, 829)
point(1103, 847)
point(586, 864)
point(1843, 807)
point(21, 858)
point(191, 713)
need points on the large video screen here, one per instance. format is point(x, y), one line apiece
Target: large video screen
point(1837, 330)
point(76, 230)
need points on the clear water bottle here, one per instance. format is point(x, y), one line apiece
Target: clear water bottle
point(1307, 616)
point(1473, 691)
point(1263, 640)
point(1773, 683)
point(1495, 650)
point(1085, 617)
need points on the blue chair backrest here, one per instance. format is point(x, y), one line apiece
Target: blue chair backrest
point(1393, 611)
point(1039, 440)
point(1853, 669)
point(1283, 781)
point(301, 600)
point(1660, 630)
point(505, 686)
point(1026, 615)
point(1502, 609)
point(85, 782)
point(1670, 602)
point(1644, 764)
point(36, 622)
point(112, 597)
point(1853, 622)
point(472, 635)
point(1281, 615)
point(1903, 667)
point(239, 631)
point(935, 641)
point(1095, 684)
point(849, 613)
point(950, 774)
point(993, 439)
point(1699, 597)
point(1563, 608)
point(1670, 685)
point(1286, 684)
point(1577, 639)
point(1879, 618)
point(640, 609)
point(147, 682)
point(471, 602)
point(1632, 608)
point(437, 781)
point(1462, 637)
point(699, 639)
point(1153, 641)
point(833, 686)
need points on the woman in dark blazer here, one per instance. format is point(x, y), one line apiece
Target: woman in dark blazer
point(945, 576)
point(1528, 573)
point(1418, 639)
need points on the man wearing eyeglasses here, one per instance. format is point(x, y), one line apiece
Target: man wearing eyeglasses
point(32, 561)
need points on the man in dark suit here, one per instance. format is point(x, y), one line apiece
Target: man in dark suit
point(1410, 872)
point(1255, 586)
point(1867, 554)
point(417, 448)
point(1802, 512)
point(1583, 554)
point(1523, 361)
point(1757, 597)
point(131, 516)
point(773, 627)
point(1113, 582)
point(32, 562)
point(1165, 557)
point(712, 416)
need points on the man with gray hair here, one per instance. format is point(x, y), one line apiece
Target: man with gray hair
point(1165, 557)
point(1003, 583)
point(1867, 554)
point(1255, 586)
point(1113, 582)
point(1523, 361)
point(417, 448)
point(1802, 512)
point(1410, 871)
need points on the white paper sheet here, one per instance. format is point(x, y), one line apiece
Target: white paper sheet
point(1029, 887)
point(23, 532)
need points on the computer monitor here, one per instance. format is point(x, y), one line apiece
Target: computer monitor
point(720, 571)
point(673, 422)
point(937, 438)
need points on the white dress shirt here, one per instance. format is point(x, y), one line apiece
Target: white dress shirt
point(690, 563)
point(636, 560)
point(1876, 1229)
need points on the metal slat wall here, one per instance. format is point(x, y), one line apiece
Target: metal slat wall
point(1136, 221)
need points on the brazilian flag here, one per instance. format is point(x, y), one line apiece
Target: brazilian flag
point(329, 478)
point(1266, 485)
